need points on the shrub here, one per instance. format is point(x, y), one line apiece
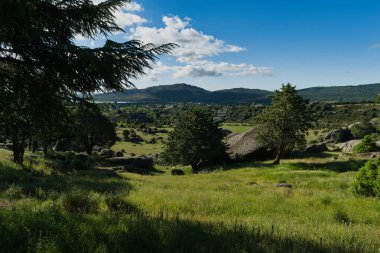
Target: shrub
point(367, 181)
point(14, 192)
point(362, 129)
point(79, 201)
point(341, 216)
point(366, 145)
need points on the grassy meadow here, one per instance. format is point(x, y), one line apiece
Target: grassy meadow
point(232, 209)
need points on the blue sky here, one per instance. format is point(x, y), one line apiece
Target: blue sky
point(258, 44)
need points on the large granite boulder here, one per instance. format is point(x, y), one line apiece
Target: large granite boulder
point(138, 162)
point(338, 135)
point(245, 147)
point(348, 147)
point(316, 148)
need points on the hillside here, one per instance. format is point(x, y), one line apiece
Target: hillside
point(189, 93)
point(357, 93)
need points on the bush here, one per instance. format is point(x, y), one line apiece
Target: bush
point(79, 201)
point(362, 129)
point(366, 145)
point(368, 179)
point(14, 192)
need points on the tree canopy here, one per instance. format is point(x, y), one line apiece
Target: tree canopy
point(40, 62)
point(196, 140)
point(284, 124)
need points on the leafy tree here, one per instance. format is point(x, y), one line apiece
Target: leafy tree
point(367, 181)
point(377, 98)
point(39, 59)
point(196, 140)
point(366, 145)
point(92, 128)
point(284, 124)
point(360, 130)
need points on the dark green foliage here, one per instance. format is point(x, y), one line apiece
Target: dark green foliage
point(284, 124)
point(41, 68)
point(92, 128)
point(362, 129)
point(79, 201)
point(196, 140)
point(366, 145)
point(368, 179)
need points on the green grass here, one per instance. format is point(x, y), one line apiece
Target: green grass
point(145, 148)
point(142, 148)
point(235, 127)
point(237, 209)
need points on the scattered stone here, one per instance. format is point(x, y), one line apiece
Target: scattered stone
point(338, 135)
point(107, 153)
point(284, 185)
point(316, 148)
point(138, 162)
point(348, 147)
point(178, 172)
point(119, 154)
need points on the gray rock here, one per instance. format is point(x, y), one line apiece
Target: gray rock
point(107, 153)
point(316, 148)
point(119, 154)
point(245, 147)
point(284, 185)
point(138, 162)
point(178, 172)
point(338, 135)
point(348, 147)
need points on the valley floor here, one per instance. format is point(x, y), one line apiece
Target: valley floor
point(236, 209)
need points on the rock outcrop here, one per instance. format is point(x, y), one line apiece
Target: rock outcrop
point(348, 147)
point(316, 148)
point(245, 147)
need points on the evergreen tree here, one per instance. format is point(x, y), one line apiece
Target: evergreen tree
point(196, 140)
point(92, 128)
point(39, 59)
point(284, 124)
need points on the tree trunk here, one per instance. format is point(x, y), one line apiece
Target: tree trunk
point(18, 152)
point(195, 167)
point(45, 146)
point(89, 149)
point(278, 158)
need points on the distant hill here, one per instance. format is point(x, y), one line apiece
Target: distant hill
point(365, 92)
point(189, 93)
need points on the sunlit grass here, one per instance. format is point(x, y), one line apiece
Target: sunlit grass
point(233, 209)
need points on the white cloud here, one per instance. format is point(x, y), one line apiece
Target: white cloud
point(194, 45)
point(123, 16)
point(207, 69)
point(124, 19)
point(195, 49)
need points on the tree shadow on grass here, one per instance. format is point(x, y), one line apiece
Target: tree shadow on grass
point(99, 181)
point(65, 232)
point(337, 166)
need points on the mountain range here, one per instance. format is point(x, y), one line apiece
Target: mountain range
point(188, 93)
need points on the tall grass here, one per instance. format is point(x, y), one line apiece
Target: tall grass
point(239, 209)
